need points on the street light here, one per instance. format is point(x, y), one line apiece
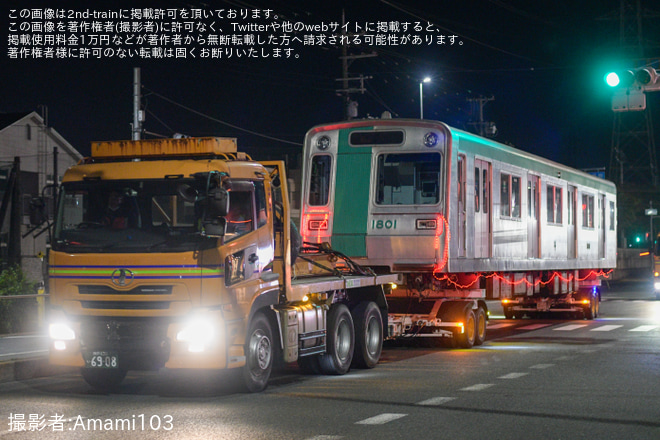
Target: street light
point(421, 96)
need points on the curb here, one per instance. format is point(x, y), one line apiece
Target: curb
point(19, 370)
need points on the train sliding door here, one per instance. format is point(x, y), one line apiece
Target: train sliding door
point(482, 205)
point(533, 210)
point(571, 204)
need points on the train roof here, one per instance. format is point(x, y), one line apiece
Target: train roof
point(485, 147)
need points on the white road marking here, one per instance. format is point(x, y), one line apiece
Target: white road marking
point(326, 437)
point(606, 328)
point(541, 366)
point(478, 387)
point(381, 419)
point(532, 327)
point(568, 328)
point(513, 375)
point(436, 401)
point(644, 328)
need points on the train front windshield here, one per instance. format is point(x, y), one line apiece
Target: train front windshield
point(408, 179)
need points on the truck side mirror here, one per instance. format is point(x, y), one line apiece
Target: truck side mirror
point(217, 203)
point(215, 228)
point(216, 208)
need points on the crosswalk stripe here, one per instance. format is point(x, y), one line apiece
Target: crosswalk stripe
point(606, 328)
point(513, 375)
point(568, 328)
point(541, 366)
point(478, 387)
point(381, 419)
point(644, 328)
point(436, 401)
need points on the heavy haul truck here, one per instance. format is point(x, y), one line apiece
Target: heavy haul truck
point(180, 253)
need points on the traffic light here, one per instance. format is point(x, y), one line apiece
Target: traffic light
point(645, 79)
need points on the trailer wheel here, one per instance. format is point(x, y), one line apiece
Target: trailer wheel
point(259, 354)
point(481, 323)
point(103, 379)
point(340, 342)
point(368, 334)
point(466, 338)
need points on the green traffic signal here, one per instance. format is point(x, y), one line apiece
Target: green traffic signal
point(612, 79)
point(624, 78)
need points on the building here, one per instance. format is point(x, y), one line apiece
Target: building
point(28, 137)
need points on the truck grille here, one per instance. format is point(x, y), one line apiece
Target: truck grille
point(91, 289)
point(126, 305)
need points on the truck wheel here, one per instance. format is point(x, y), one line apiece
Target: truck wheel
point(340, 341)
point(259, 354)
point(103, 379)
point(481, 324)
point(368, 334)
point(467, 338)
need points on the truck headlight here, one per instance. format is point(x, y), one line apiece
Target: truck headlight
point(199, 332)
point(61, 332)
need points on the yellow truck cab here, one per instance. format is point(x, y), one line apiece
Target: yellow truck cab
point(177, 253)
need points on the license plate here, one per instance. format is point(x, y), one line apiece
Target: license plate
point(102, 359)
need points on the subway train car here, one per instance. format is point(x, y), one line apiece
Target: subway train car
point(461, 218)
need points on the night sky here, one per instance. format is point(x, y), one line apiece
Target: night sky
point(542, 61)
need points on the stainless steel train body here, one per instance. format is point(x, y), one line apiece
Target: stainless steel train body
point(453, 211)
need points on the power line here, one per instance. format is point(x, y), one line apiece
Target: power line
point(219, 121)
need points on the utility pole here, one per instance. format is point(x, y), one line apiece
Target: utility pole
point(350, 107)
point(138, 115)
point(484, 128)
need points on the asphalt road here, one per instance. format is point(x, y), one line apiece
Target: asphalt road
point(532, 379)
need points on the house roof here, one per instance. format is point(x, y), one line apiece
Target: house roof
point(9, 119)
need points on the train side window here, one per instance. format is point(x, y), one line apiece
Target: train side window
point(510, 205)
point(569, 206)
point(612, 216)
point(461, 180)
point(587, 211)
point(505, 201)
point(477, 189)
point(319, 182)
point(484, 187)
point(554, 204)
point(515, 196)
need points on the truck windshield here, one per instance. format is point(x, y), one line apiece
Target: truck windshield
point(159, 215)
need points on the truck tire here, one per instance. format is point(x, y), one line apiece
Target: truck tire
point(103, 379)
point(368, 334)
point(259, 354)
point(466, 315)
point(340, 342)
point(481, 323)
